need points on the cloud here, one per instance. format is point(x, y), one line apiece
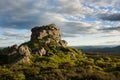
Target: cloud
point(8, 32)
point(21, 14)
point(110, 17)
point(113, 42)
point(101, 3)
point(110, 35)
point(78, 28)
point(16, 34)
point(68, 35)
point(73, 7)
point(109, 29)
point(27, 14)
point(75, 18)
point(3, 38)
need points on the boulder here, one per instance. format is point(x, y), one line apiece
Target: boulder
point(41, 51)
point(24, 50)
point(63, 43)
point(48, 31)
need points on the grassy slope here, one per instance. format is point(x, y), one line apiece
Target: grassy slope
point(61, 65)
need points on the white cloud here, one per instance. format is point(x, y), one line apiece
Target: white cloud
point(104, 3)
point(73, 17)
point(17, 34)
point(3, 38)
point(73, 7)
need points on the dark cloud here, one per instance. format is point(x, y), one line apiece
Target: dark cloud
point(109, 29)
point(110, 17)
point(22, 14)
point(25, 14)
point(78, 28)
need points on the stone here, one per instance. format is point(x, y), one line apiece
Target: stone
point(45, 41)
point(24, 50)
point(63, 43)
point(12, 50)
point(48, 31)
point(23, 60)
point(41, 52)
point(14, 46)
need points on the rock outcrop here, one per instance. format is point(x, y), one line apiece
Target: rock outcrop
point(46, 31)
point(45, 41)
point(24, 50)
point(41, 52)
point(49, 33)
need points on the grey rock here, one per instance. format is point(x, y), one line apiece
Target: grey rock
point(24, 50)
point(41, 52)
point(63, 43)
point(48, 31)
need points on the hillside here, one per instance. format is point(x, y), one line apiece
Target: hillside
point(100, 49)
point(47, 57)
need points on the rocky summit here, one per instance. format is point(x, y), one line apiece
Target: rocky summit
point(49, 33)
point(45, 41)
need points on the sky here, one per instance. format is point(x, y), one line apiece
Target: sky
point(82, 22)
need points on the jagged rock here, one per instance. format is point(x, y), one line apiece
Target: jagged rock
point(49, 33)
point(46, 31)
point(63, 43)
point(41, 52)
point(24, 50)
point(14, 46)
point(45, 41)
point(12, 50)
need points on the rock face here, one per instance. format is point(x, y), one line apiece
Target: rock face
point(24, 50)
point(40, 52)
point(48, 33)
point(40, 38)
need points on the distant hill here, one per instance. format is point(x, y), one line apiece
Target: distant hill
point(100, 49)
